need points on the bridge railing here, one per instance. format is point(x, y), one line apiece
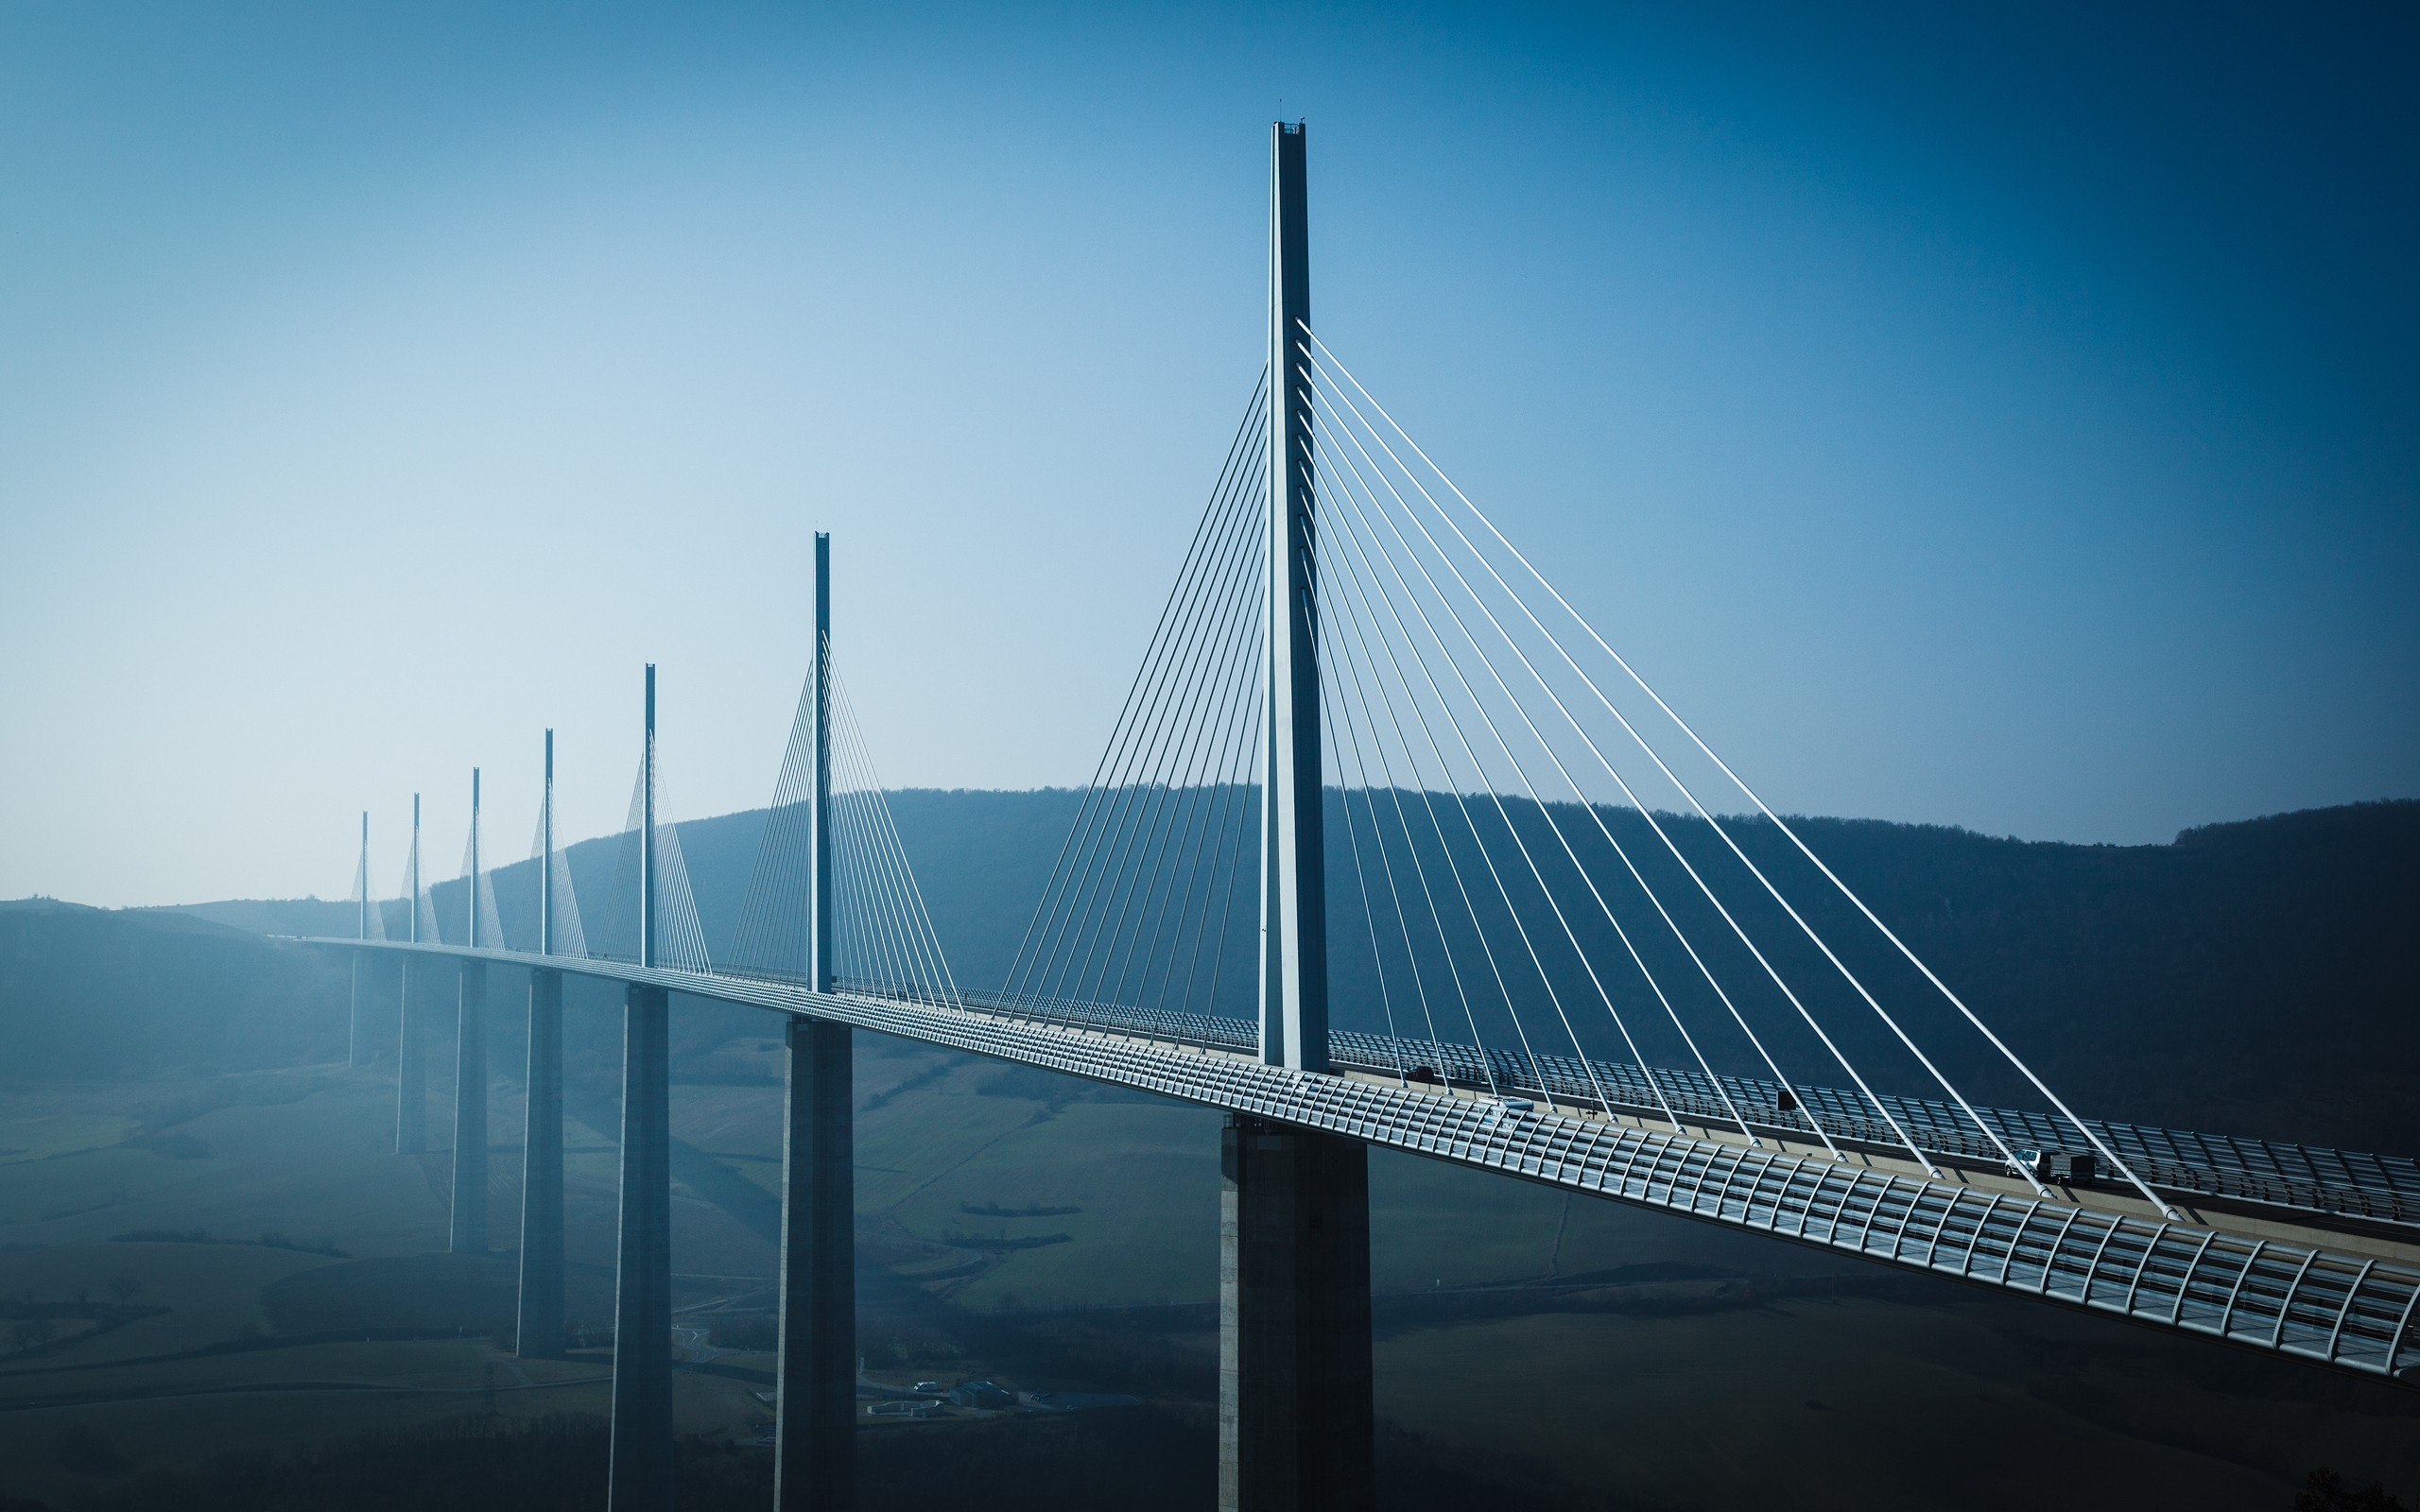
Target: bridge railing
point(2332, 1308)
point(2272, 1294)
point(2381, 1187)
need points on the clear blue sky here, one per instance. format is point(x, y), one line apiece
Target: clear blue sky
point(1998, 418)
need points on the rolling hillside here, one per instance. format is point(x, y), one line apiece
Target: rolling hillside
point(2252, 977)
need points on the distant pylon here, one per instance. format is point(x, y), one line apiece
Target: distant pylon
point(411, 1085)
point(361, 931)
point(640, 1477)
point(468, 1232)
point(539, 1334)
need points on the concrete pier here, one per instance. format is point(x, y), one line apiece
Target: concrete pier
point(1295, 1425)
point(468, 1235)
point(411, 1072)
point(352, 1055)
point(540, 1334)
point(814, 1435)
point(642, 1430)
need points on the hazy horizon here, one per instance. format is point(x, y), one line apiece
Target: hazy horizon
point(436, 875)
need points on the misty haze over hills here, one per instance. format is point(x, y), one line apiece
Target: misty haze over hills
point(2247, 977)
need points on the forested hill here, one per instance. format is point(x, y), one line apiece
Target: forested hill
point(2255, 978)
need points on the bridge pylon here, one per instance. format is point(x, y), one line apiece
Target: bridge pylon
point(539, 1333)
point(1293, 893)
point(468, 1232)
point(361, 928)
point(1295, 1418)
point(640, 1477)
point(815, 1432)
point(412, 1069)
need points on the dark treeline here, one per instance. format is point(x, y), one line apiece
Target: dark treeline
point(2251, 977)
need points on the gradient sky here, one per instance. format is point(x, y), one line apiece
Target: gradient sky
point(1996, 418)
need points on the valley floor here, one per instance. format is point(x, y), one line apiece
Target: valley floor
point(200, 1268)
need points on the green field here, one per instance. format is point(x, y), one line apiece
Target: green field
point(29, 1134)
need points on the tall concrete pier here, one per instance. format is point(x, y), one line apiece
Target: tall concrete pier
point(540, 1333)
point(640, 1477)
point(815, 1435)
point(815, 1442)
point(1295, 1425)
point(352, 1055)
point(641, 1468)
point(411, 1071)
point(468, 1233)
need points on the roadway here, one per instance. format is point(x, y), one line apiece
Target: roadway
point(2337, 1290)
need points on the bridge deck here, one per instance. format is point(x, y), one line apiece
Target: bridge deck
point(2381, 1187)
point(2274, 1280)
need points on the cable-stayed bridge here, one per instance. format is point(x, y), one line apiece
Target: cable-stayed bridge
point(1387, 847)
